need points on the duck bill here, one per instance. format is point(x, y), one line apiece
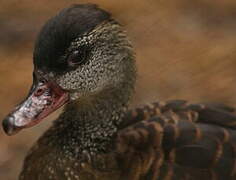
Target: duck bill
point(43, 99)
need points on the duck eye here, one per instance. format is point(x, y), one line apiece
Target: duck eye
point(42, 81)
point(76, 58)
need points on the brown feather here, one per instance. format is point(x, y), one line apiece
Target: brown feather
point(178, 140)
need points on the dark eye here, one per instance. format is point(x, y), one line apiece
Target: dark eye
point(42, 81)
point(77, 57)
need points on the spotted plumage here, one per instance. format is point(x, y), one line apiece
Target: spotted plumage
point(83, 59)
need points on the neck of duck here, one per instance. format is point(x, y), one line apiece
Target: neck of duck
point(92, 122)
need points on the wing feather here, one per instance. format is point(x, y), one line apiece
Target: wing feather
point(178, 140)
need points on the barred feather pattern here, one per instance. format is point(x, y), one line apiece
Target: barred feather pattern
point(178, 140)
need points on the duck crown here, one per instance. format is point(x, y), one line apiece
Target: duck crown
point(59, 31)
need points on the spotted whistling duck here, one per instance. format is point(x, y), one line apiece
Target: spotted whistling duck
point(83, 60)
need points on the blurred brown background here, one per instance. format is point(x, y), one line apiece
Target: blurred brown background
point(185, 50)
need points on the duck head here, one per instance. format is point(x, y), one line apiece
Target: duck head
point(79, 52)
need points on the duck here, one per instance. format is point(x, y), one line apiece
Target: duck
point(84, 61)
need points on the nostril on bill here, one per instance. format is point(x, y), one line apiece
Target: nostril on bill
point(39, 92)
